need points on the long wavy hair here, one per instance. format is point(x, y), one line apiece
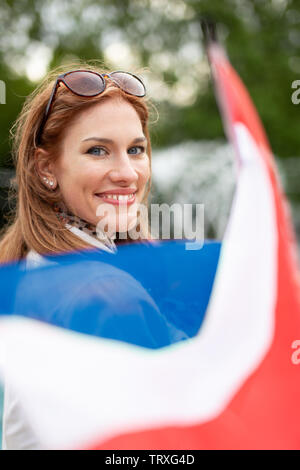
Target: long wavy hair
point(33, 223)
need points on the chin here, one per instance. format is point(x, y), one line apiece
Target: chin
point(121, 219)
point(121, 224)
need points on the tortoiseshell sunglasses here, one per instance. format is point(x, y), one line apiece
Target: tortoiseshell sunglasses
point(88, 83)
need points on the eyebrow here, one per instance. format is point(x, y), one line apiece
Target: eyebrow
point(109, 141)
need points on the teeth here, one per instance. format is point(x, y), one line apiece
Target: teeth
point(119, 197)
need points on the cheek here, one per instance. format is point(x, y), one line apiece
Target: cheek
point(144, 170)
point(85, 175)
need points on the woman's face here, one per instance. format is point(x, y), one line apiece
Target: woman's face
point(104, 151)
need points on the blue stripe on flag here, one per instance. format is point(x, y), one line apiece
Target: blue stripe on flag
point(148, 295)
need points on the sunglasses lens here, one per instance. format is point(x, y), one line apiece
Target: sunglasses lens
point(129, 83)
point(85, 83)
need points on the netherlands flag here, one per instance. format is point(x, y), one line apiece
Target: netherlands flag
point(161, 347)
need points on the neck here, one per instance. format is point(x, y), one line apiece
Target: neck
point(83, 229)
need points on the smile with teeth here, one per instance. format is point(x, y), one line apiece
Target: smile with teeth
point(118, 197)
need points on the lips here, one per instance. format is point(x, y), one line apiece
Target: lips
point(117, 198)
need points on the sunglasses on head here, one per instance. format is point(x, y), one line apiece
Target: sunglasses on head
point(88, 83)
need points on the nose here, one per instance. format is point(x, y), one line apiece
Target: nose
point(123, 171)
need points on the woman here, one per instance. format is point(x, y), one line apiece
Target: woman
point(83, 171)
point(81, 144)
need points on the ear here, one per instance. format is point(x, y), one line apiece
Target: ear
point(44, 168)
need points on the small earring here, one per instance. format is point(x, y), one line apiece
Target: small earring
point(51, 183)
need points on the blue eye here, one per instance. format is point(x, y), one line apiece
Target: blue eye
point(97, 151)
point(136, 150)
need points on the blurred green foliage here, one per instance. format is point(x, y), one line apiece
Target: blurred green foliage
point(262, 38)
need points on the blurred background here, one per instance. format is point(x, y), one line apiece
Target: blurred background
point(161, 40)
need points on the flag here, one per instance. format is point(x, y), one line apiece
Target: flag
point(217, 367)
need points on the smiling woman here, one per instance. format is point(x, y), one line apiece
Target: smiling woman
point(83, 165)
point(83, 173)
